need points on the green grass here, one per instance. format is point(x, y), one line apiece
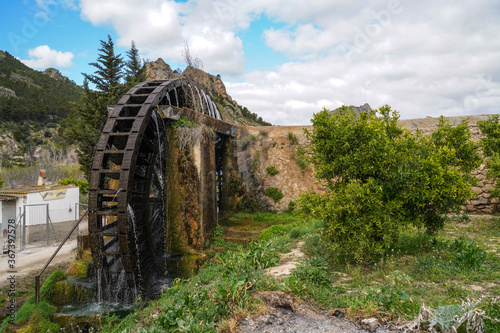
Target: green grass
point(442, 272)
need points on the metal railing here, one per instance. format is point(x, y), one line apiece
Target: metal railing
point(37, 277)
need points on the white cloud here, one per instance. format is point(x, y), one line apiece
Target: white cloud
point(421, 57)
point(43, 56)
point(161, 27)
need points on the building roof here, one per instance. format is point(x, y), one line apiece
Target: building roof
point(22, 191)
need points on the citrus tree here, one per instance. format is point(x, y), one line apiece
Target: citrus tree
point(380, 178)
point(491, 148)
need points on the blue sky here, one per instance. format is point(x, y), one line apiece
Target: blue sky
point(285, 59)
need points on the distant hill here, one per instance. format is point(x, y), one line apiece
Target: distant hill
point(27, 95)
point(32, 104)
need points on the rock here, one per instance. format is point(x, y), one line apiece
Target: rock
point(358, 109)
point(471, 208)
point(6, 92)
point(477, 189)
point(55, 74)
point(339, 314)
point(483, 201)
point(370, 324)
point(210, 82)
point(159, 70)
point(488, 187)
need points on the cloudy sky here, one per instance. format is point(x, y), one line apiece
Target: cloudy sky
point(286, 59)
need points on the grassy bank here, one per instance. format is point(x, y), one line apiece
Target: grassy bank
point(454, 274)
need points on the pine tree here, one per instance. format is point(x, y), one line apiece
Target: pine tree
point(85, 123)
point(135, 67)
point(109, 72)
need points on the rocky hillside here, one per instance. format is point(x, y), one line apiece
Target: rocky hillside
point(230, 110)
point(27, 95)
point(32, 104)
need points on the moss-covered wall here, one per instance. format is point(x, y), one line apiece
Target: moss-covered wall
point(191, 196)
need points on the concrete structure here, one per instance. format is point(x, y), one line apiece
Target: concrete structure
point(37, 206)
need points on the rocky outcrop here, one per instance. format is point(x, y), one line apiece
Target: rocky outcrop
point(6, 92)
point(230, 110)
point(159, 70)
point(210, 82)
point(55, 74)
point(358, 109)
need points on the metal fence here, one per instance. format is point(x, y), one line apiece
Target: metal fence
point(34, 226)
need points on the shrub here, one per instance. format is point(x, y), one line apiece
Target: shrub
point(83, 184)
point(300, 158)
point(274, 194)
point(271, 170)
point(183, 122)
point(292, 138)
point(491, 148)
point(380, 178)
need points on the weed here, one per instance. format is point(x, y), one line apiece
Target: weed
point(256, 164)
point(393, 295)
point(271, 170)
point(183, 122)
point(291, 206)
point(292, 138)
point(299, 155)
point(262, 133)
point(273, 231)
point(468, 255)
point(48, 289)
point(274, 194)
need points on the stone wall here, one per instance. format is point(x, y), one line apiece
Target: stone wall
point(38, 233)
point(258, 148)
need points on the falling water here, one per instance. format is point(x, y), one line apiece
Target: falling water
point(168, 98)
point(208, 105)
point(192, 94)
point(215, 110)
point(99, 286)
point(116, 194)
point(132, 219)
point(201, 103)
point(176, 98)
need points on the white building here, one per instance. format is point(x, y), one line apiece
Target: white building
point(36, 207)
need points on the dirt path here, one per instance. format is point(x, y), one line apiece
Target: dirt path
point(287, 314)
point(33, 259)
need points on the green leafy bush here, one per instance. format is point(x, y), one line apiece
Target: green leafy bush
point(183, 122)
point(299, 155)
point(271, 170)
point(83, 184)
point(380, 178)
point(274, 194)
point(491, 148)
